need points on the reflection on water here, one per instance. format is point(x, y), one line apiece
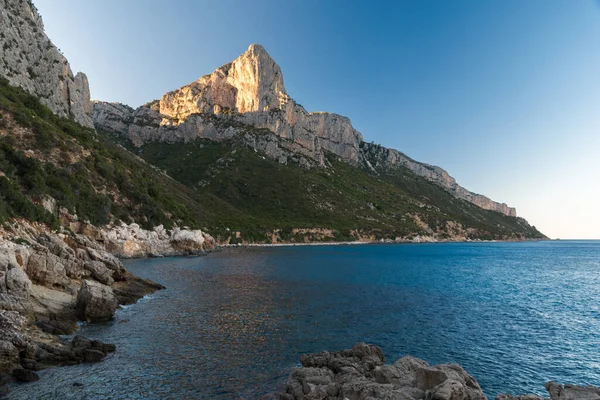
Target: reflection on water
point(232, 324)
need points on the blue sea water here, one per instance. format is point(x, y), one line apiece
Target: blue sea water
point(232, 324)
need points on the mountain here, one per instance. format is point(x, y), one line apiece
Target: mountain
point(236, 135)
point(28, 59)
point(70, 203)
point(231, 154)
point(250, 92)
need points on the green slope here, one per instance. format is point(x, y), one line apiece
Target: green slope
point(43, 155)
point(341, 197)
point(222, 187)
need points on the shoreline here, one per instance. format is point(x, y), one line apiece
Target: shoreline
point(387, 242)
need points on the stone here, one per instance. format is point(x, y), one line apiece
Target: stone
point(360, 373)
point(46, 269)
point(91, 355)
point(25, 375)
point(28, 59)
point(9, 355)
point(95, 302)
point(99, 272)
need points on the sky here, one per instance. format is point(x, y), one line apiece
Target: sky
point(503, 94)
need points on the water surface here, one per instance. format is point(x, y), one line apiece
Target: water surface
point(232, 324)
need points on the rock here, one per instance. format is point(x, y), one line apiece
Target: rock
point(30, 60)
point(9, 355)
point(90, 355)
point(46, 269)
point(247, 98)
point(360, 373)
point(99, 272)
point(572, 392)
point(25, 375)
point(131, 241)
point(95, 302)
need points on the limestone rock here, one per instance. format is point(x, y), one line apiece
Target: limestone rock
point(247, 98)
point(559, 392)
point(133, 241)
point(95, 302)
point(28, 59)
point(360, 373)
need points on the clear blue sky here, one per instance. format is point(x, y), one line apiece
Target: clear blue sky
point(504, 94)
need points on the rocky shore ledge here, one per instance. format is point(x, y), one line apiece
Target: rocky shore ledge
point(361, 374)
point(50, 280)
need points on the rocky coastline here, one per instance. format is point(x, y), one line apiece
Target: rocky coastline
point(51, 280)
point(361, 373)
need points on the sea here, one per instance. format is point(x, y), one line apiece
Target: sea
point(231, 325)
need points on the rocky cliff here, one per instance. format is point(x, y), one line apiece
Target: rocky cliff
point(249, 94)
point(28, 59)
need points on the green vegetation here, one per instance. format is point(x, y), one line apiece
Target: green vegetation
point(225, 187)
point(268, 196)
point(89, 176)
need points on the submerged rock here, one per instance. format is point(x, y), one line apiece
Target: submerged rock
point(361, 373)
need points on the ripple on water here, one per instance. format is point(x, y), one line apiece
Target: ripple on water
point(232, 324)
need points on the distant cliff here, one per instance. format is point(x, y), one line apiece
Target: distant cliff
point(247, 94)
point(28, 59)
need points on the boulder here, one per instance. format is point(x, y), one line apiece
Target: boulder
point(25, 375)
point(95, 302)
point(360, 374)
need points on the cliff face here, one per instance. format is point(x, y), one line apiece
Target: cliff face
point(28, 59)
point(379, 158)
point(249, 94)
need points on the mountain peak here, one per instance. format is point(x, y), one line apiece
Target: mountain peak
point(258, 80)
point(256, 48)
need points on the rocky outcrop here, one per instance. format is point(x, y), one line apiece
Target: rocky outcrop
point(48, 281)
point(95, 302)
point(28, 59)
point(379, 158)
point(247, 99)
point(361, 374)
point(132, 241)
point(560, 392)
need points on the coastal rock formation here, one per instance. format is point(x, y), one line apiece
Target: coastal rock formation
point(247, 99)
point(379, 158)
point(560, 392)
point(47, 282)
point(28, 59)
point(132, 241)
point(95, 302)
point(361, 373)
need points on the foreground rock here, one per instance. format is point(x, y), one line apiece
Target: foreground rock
point(360, 374)
point(560, 392)
point(95, 302)
point(49, 281)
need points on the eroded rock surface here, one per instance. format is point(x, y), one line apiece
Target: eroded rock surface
point(48, 281)
point(29, 59)
point(247, 99)
point(361, 374)
point(560, 392)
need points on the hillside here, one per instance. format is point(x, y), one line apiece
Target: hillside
point(287, 202)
